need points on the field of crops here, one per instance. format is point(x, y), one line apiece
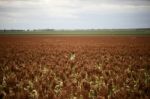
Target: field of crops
point(74, 67)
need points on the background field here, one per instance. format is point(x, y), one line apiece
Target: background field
point(78, 32)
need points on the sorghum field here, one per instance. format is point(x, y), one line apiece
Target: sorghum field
point(74, 67)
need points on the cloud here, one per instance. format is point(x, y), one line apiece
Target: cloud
point(68, 13)
point(121, 2)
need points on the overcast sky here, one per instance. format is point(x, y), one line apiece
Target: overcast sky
point(74, 14)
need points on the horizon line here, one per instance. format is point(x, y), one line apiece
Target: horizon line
point(76, 29)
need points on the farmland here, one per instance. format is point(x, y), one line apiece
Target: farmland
point(82, 32)
point(74, 67)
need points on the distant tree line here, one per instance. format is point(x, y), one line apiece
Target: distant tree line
point(11, 30)
point(15, 30)
point(27, 30)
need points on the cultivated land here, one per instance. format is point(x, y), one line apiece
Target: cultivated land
point(89, 32)
point(74, 67)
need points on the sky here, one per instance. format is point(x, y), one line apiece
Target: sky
point(74, 14)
